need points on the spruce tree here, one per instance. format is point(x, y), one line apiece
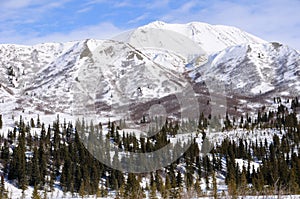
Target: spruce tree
point(35, 177)
point(66, 178)
point(32, 125)
point(5, 156)
point(153, 191)
point(132, 186)
point(158, 182)
point(243, 187)
point(82, 189)
point(35, 193)
point(197, 187)
point(42, 159)
point(17, 168)
point(167, 187)
point(232, 188)
point(179, 179)
point(1, 123)
point(3, 191)
point(215, 187)
point(292, 184)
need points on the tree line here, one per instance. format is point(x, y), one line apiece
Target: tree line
point(60, 155)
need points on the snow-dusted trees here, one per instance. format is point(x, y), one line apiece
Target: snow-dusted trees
point(58, 152)
point(17, 168)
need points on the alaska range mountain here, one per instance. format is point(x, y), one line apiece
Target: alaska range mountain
point(143, 67)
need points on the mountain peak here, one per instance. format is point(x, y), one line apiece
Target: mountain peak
point(156, 24)
point(211, 38)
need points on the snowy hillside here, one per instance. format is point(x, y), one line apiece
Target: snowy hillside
point(144, 66)
point(211, 38)
point(254, 69)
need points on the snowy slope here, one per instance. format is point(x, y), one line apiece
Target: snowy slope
point(119, 75)
point(18, 65)
point(211, 38)
point(90, 73)
point(254, 69)
point(177, 45)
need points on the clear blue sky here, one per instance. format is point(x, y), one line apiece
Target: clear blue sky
point(34, 21)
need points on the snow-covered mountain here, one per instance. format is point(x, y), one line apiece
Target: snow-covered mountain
point(254, 69)
point(145, 66)
point(189, 41)
point(211, 38)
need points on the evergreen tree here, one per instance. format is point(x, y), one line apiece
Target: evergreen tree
point(158, 182)
point(17, 168)
point(42, 160)
point(292, 184)
point(243, 187)
point(1, 123)
point(35, 193)
point(3, 192)
point(5, 156)
point(153, 191)
point(132, 187)
point(82, 189)
point(215, 187)
point(167, 187)
point(35, 178)
point(179, 179)
point(198, 187)
point(32, 125)
point(66, 175)
point(232, 189)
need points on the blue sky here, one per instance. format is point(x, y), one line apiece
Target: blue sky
point(35, 21)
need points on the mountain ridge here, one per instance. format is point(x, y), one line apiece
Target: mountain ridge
point(268, 66)
point(42, 77)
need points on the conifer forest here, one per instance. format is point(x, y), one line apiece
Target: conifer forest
point(254, 155)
